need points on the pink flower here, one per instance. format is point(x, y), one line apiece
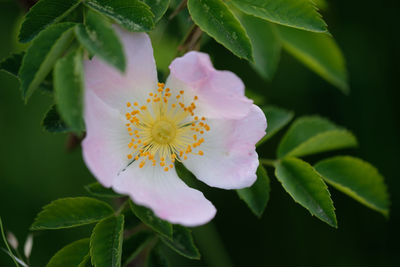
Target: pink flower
point(137, 128)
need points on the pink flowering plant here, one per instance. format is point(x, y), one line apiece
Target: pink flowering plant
point(149, 134)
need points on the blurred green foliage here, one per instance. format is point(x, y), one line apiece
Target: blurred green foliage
point(36, 167)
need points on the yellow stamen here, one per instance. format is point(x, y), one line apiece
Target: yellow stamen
point(164, 132)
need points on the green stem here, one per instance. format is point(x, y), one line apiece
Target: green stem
point(268, 162)
point(211, 246)
point(5, 241)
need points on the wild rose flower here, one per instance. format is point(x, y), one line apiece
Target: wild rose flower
point(138, 128)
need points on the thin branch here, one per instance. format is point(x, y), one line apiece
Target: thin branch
point(180, 7)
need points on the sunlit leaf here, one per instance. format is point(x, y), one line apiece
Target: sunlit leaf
point(71, 212)
point(310, 135)
point(134, 15)
point(214, 18)
point(307, 188)
point(43, 14)
point(358, 179)
point(301, 14)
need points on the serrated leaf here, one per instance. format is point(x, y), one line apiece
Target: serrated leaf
point(319, 52)
point(106, 242)
point(147, 216)
point(53, 123)
point(301, 14)
point(43, 14)
point(71, 255)
point(358, 179)
point(182, 242)
point(133, 15)
point(100, 39)
point(41, 56)
point(135, 244)
point(157, 258)
point(214, 18)
point(277, 118)
point(266, 44)
point(68, 89)
point(71, 212)
point(257, 195)
point(12, 63)
point(158, 7)
point(307, 188)
point(98, 190)
point(310, 135)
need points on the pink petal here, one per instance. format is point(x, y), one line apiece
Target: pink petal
point(230, 160)
point(166, 194)
point(140, 78)
point(105, 146)
point(220, 93)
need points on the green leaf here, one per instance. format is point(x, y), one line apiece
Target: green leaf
point(41, 56)
point(182, 242)
point(147, 216)
point(257, 195)
point(307, 188)
point(43, 14)
point(98, 190)
point(319, 52)
point(7, 245)
point(86, 261)
point(311, 135)
point(301, 14)
point(277, 118)
point(214, 18)
point(133, 15)
point(68, 89)
point(322, 4)
point(157, 258)
point(71, 255)
point(158, 7)
point(358, 179)
point(266, 44)
point(71, 212)
point(53, 123)
point(106, 242)
point(12, 63)
point(100, 39)
point(134, 245)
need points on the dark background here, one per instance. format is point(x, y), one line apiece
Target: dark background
point(35, 167)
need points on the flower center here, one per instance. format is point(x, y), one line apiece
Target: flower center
point(164, 129)
point(163, 132)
